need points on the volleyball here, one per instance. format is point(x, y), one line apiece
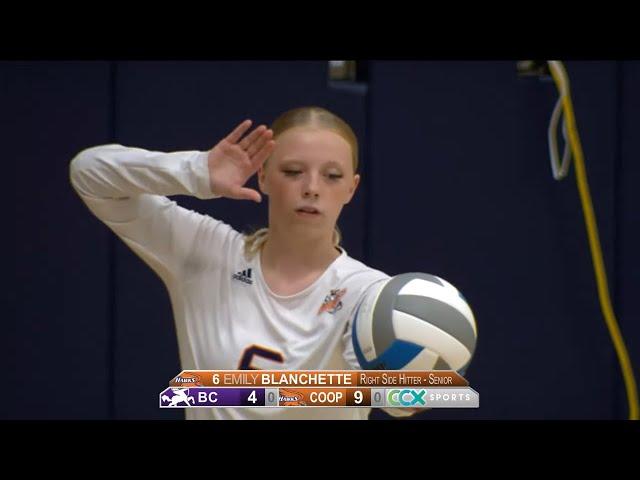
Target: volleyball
point(414, 321)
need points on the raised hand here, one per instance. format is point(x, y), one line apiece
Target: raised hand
point(233, 161)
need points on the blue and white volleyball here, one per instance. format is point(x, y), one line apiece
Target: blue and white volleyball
point(414, 321)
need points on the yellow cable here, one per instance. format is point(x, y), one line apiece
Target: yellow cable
point(562, 82)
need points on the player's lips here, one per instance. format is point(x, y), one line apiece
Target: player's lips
point(307, 210)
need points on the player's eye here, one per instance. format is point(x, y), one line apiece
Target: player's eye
point(334, 176)
point(291, 173)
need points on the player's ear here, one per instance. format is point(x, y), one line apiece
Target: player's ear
point(262, 182)
point(353, 187)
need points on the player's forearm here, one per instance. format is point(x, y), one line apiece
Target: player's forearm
point(115, 171)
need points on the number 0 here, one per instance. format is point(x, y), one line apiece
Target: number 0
point(376, 397)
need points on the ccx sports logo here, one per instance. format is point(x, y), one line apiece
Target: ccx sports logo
point(408, 397)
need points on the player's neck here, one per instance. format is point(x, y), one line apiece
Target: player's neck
point(297, 255)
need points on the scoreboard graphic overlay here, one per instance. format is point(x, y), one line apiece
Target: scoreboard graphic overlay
point(319, 388)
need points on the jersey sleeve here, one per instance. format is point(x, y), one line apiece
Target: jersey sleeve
point(347, 341)
point(126, 188)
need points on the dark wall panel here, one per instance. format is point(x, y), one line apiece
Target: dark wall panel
point(463, 189)
point(57, 335)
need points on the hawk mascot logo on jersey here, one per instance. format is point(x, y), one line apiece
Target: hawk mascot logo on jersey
point(332, 302)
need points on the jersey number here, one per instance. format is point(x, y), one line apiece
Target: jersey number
point(258, 351)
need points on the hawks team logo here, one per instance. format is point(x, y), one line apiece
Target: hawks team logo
point(291, 398)
point(186, 379)
point(332, 302)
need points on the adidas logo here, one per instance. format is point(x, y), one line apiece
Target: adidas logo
point(243, 276)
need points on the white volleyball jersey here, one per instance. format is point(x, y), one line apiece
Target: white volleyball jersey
point(226, 317)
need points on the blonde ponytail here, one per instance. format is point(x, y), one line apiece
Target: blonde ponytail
point(254, 242)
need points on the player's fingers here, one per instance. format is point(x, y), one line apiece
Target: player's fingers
point(247, 194)
point(237, 133)
point(259, 142)
point(247, 141)
point(263, 154)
